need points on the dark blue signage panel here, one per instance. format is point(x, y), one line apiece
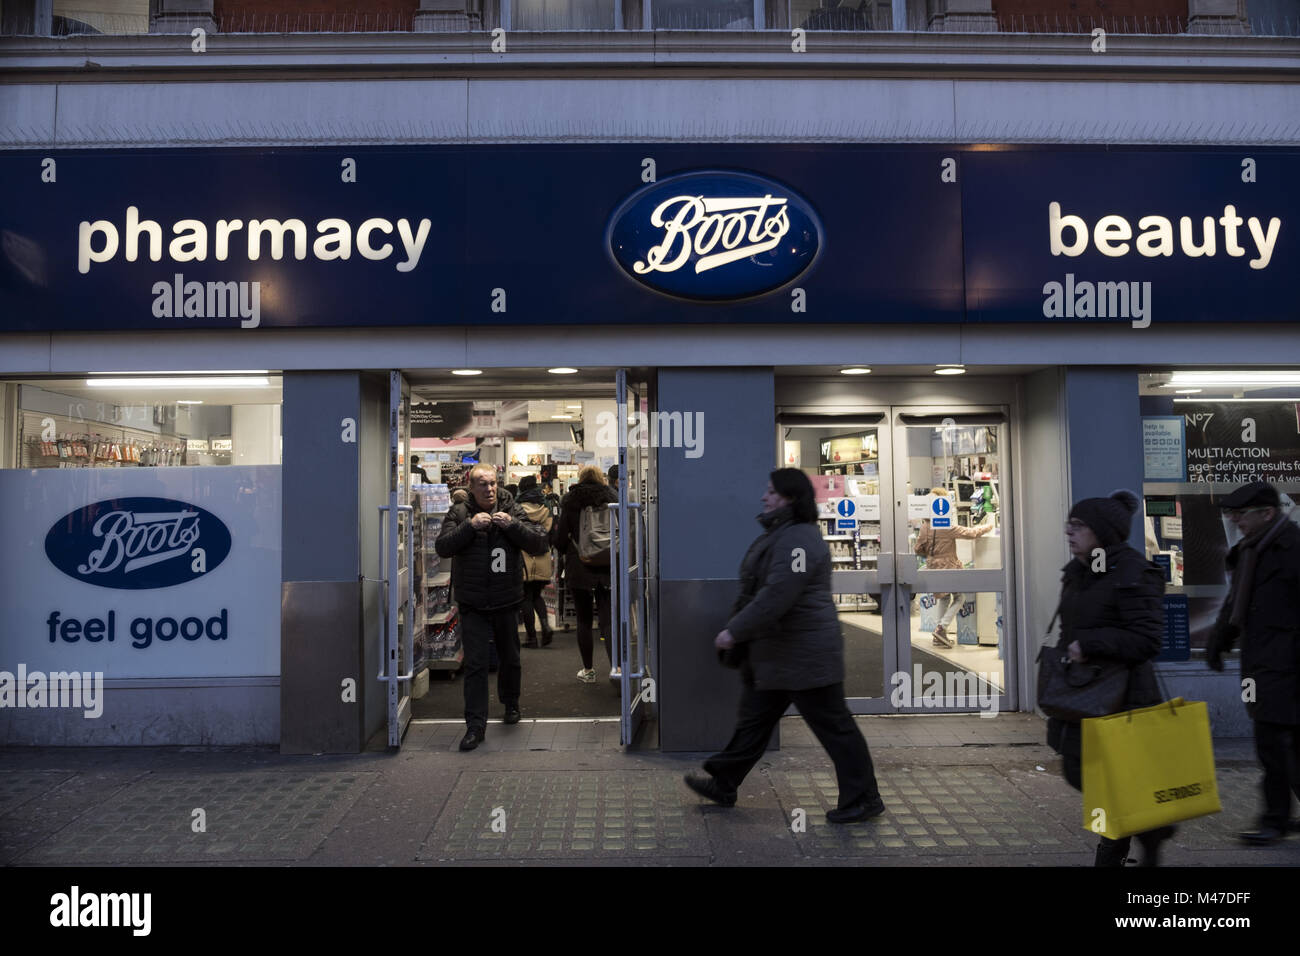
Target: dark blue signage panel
point(408, 236)
point(1131, 235)
point(1178, 641)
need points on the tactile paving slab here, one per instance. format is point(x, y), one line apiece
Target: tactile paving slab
point(963, 810)
point(577, 814)
point(17, 787)
point(268, 815)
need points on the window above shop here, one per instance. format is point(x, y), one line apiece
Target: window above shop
point(1060, 17)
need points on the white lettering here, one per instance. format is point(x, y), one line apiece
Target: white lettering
point(699, 225)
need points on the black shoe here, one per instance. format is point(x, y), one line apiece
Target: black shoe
point(512, 715)
point(1111, 853)
point(864, 809)
point(531, 645)
point(1264, 836)
point(547, 636)
point(709, 788)
point(473, 737)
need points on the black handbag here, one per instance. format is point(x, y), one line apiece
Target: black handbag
point(1074, 691)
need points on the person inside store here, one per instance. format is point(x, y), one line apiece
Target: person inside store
point(417, 470)
point(537, 570)
point(485, 536)
point(939, 548)
point(784, 635)
point(588, 584)
point(1262, 611)
point(1115, 613)
point(612, 477)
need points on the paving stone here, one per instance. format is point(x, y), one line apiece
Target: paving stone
point(557, 815)
point(262, 815)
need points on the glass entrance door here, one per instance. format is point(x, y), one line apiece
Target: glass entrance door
point(399, 566)
point(952, 525)
point(632, 583)
point(913, 507)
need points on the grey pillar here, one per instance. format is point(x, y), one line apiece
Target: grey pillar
point(448, 16)
point(1217, 17)
point(706, 521)
point(182, 16)
point(329, 615)
point(1104, 424)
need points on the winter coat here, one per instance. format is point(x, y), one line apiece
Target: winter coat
point(1270, 642)
point(564, 535)
point(537, 568)
point(475, 583)
point(1116, 615)
point(789, 626)
point(939, 545)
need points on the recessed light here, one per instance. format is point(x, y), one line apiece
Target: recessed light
point(569, 417)
point(189, 401)
point(856, 370)
point(467, 371)
point(573, 406)
point(950, 370)
point(1188, 391)
point(562, 371)
point(189, 383)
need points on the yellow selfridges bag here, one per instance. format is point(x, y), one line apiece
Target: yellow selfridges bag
point(1149, 767)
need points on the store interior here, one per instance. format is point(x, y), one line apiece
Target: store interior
point(544, 430)
point(962, 461)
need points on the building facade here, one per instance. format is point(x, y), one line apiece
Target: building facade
point(1065, 256)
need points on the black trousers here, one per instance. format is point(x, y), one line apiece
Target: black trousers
point(829, 719)
point(582, 601)
point(479, 631)
point(534, 603)
point(1278, 748)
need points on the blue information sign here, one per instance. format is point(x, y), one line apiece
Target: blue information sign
point(1178, 637)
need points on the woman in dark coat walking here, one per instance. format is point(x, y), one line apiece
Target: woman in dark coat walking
point(1111, 608)
point(587, 584)
point(785, 629)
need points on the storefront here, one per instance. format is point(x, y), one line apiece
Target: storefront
point(239, 364)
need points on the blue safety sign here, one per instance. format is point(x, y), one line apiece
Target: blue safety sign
point(845, 508)
point(941, 507)
point(845, 524)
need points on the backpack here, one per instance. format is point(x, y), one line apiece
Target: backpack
point(593, 535)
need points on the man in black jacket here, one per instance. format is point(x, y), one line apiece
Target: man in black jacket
point(1263, 609)
point(484, 536)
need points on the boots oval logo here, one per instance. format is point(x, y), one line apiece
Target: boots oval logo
point(138, 543)
point(715, 235)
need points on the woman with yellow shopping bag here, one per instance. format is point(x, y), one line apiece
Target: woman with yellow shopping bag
point(1111, 615)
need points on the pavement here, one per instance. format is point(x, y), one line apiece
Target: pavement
point(959, 790)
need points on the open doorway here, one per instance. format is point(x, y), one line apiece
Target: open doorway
point(549, 439)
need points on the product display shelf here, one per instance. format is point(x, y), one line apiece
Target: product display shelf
point(442, 627)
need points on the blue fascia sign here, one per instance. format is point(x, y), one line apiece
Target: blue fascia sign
point(97, 240)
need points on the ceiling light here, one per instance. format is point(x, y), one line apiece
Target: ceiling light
point(197, 371)
point(950, 370)
point(569, 417)
point(1188, 391)
point(467, 371)
point(1232, 401)
point(856, 370)
point(1230, 379)
point(562, 371)
point(188, 383)
point(189, 401)
point(573, 406)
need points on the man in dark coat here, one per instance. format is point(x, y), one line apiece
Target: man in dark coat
point(1263, 610)
point(1112, 608)
point(484, 536)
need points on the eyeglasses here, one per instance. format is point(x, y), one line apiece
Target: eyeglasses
point(1235, 513)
